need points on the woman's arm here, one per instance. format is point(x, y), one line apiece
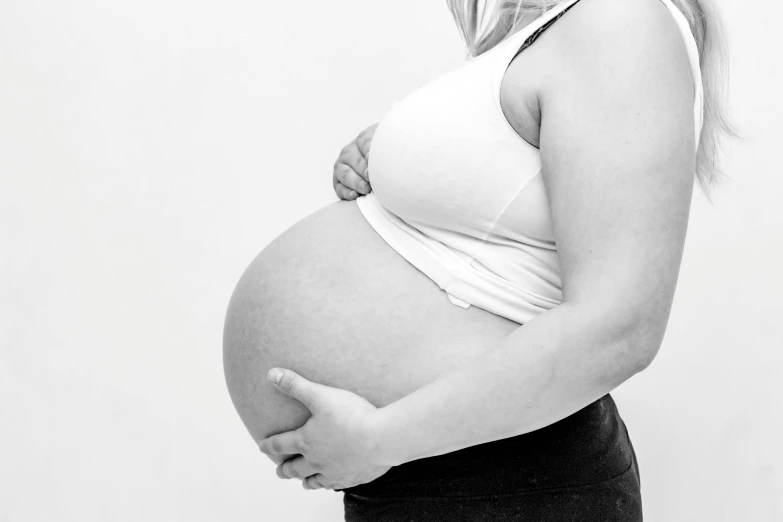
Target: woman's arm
point(618, 156)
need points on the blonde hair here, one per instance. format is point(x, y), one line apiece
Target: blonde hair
point(708, 31)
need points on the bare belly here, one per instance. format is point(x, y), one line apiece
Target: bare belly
point(331, 300)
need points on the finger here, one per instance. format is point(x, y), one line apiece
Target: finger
point(350, 180)
point(359, 166)
point(356, 155)
point(316, 481)
point(298, 467)
point(348, 176)
point(344, 192)
point(279, 459)
point(355, 158)
point(294, 385)
point(287, 443)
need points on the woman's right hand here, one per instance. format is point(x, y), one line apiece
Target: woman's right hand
point(350, 178)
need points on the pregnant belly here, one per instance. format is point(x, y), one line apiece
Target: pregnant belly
point(332, 301)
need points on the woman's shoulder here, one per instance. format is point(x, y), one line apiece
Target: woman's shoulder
point(609, 42)
point(620, 15)
point(643, 31)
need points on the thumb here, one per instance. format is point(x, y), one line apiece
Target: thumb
point(296, 386)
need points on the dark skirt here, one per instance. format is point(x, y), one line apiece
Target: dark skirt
point(582, 468)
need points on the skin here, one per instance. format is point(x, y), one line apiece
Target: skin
point(351, 176)
point(331, 300)
point(617, 144)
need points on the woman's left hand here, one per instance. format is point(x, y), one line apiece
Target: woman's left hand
point(335, 449)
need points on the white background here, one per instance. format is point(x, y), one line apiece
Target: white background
point(148, 151)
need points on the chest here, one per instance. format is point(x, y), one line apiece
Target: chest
point(455, 153)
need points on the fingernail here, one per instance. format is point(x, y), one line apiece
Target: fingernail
point(274, 375)
point(353, 194)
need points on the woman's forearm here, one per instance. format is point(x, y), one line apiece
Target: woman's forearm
point(544, 371)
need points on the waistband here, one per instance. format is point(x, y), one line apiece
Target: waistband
point(588, 447)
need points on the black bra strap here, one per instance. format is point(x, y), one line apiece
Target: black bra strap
point(532, 38)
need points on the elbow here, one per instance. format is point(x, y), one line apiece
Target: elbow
point(642, 340)
point(645, 357)
point(631, 337)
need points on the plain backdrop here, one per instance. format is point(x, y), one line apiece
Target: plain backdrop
point(150, 149)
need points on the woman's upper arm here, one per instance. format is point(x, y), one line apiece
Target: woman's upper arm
point(618, 155)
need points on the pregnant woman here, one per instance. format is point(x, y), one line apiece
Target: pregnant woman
point(446, 337)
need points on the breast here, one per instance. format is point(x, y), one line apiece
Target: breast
point(444, 156)
point(331, 300)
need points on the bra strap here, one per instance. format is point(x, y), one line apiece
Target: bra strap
point(562, 8)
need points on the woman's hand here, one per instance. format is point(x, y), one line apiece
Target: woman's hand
point(335, 449)
point(350, 170)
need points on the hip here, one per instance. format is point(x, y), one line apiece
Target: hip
point(586, 456)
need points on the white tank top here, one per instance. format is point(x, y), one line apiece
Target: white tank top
point(459, 194)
